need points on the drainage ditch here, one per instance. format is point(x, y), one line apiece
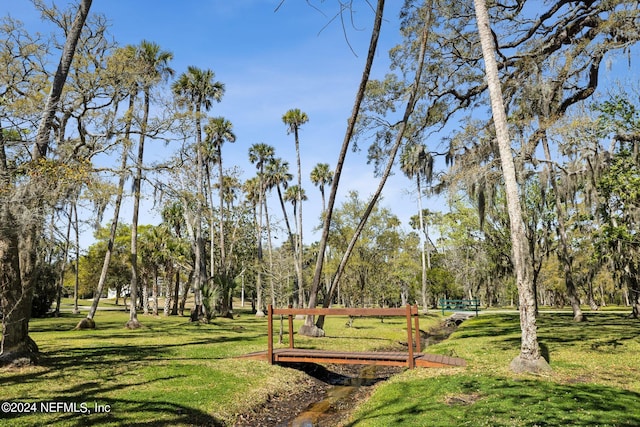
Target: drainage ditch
point(333, 391)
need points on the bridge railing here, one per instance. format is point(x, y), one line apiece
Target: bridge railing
point(410, 312)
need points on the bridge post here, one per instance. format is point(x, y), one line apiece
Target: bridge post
point(416, 316)
point(270, 334)
point(410, 360)
point(290, 328)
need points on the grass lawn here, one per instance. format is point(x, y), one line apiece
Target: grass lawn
point(169, 373)
point(595, 379)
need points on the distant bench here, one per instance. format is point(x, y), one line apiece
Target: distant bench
point(459, 305)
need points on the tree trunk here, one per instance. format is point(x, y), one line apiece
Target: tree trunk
point(529, 359)
point(259, 303)
point(63, 267)
point(272, 287)
point(15, 298)
point(133, 322)
point(394, 150)
point(423, 243)
point(564, 254)
point(299, 270)
point(223, 254)
point(145, 295)
point(89, 322)
point(200, 278)
point(76, 230)
point(18, 251)
point(290, 234)
point(168, 294)
point(317, 276)
point(154, 295)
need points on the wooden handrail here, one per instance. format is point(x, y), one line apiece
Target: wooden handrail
point(343, 311)
point(409, 311)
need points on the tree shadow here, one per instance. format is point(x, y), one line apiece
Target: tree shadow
point(499, 400)
point(106, 411)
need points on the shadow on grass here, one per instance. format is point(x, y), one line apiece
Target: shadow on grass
point(554, 328)
point(464, 400)
point(115, 412)
point(106, 356)
point(123, 353)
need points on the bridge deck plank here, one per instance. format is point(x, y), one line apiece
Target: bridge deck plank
point(386, 358)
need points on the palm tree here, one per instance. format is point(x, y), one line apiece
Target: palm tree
point(321, 176)
point(294, 119)
point(260, 154)
point(294, 195)
point(196, 90)
point(416, 162)
point(230, 188)
point(154, 67)
point(530, 358)
point(278, 176)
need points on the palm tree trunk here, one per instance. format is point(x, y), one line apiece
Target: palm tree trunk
point(259, 303)
point(176, 294)
point(212, 245)
point(530, 358)
point(154, 294)
point(299, 271)
point(133, 322)
point(290, 234)
point(272, 287)
point(200, 272)
point(423, 251)
point(223, 254)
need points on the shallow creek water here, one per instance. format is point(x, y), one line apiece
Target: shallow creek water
point(341, 393)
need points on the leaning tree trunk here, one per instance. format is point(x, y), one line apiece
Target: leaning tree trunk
point(18, 245)
point(529, 359)
point(89, 322)
point(394, 150)
point(317, 275)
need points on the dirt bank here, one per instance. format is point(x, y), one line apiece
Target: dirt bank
point(320, 384)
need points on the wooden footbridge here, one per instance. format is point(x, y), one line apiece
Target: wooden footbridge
point(411, 358)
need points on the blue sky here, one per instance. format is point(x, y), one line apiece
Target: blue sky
point(270, 61)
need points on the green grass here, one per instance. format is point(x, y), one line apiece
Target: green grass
point(175, 373)
point(170, 372)
point(595, 379)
